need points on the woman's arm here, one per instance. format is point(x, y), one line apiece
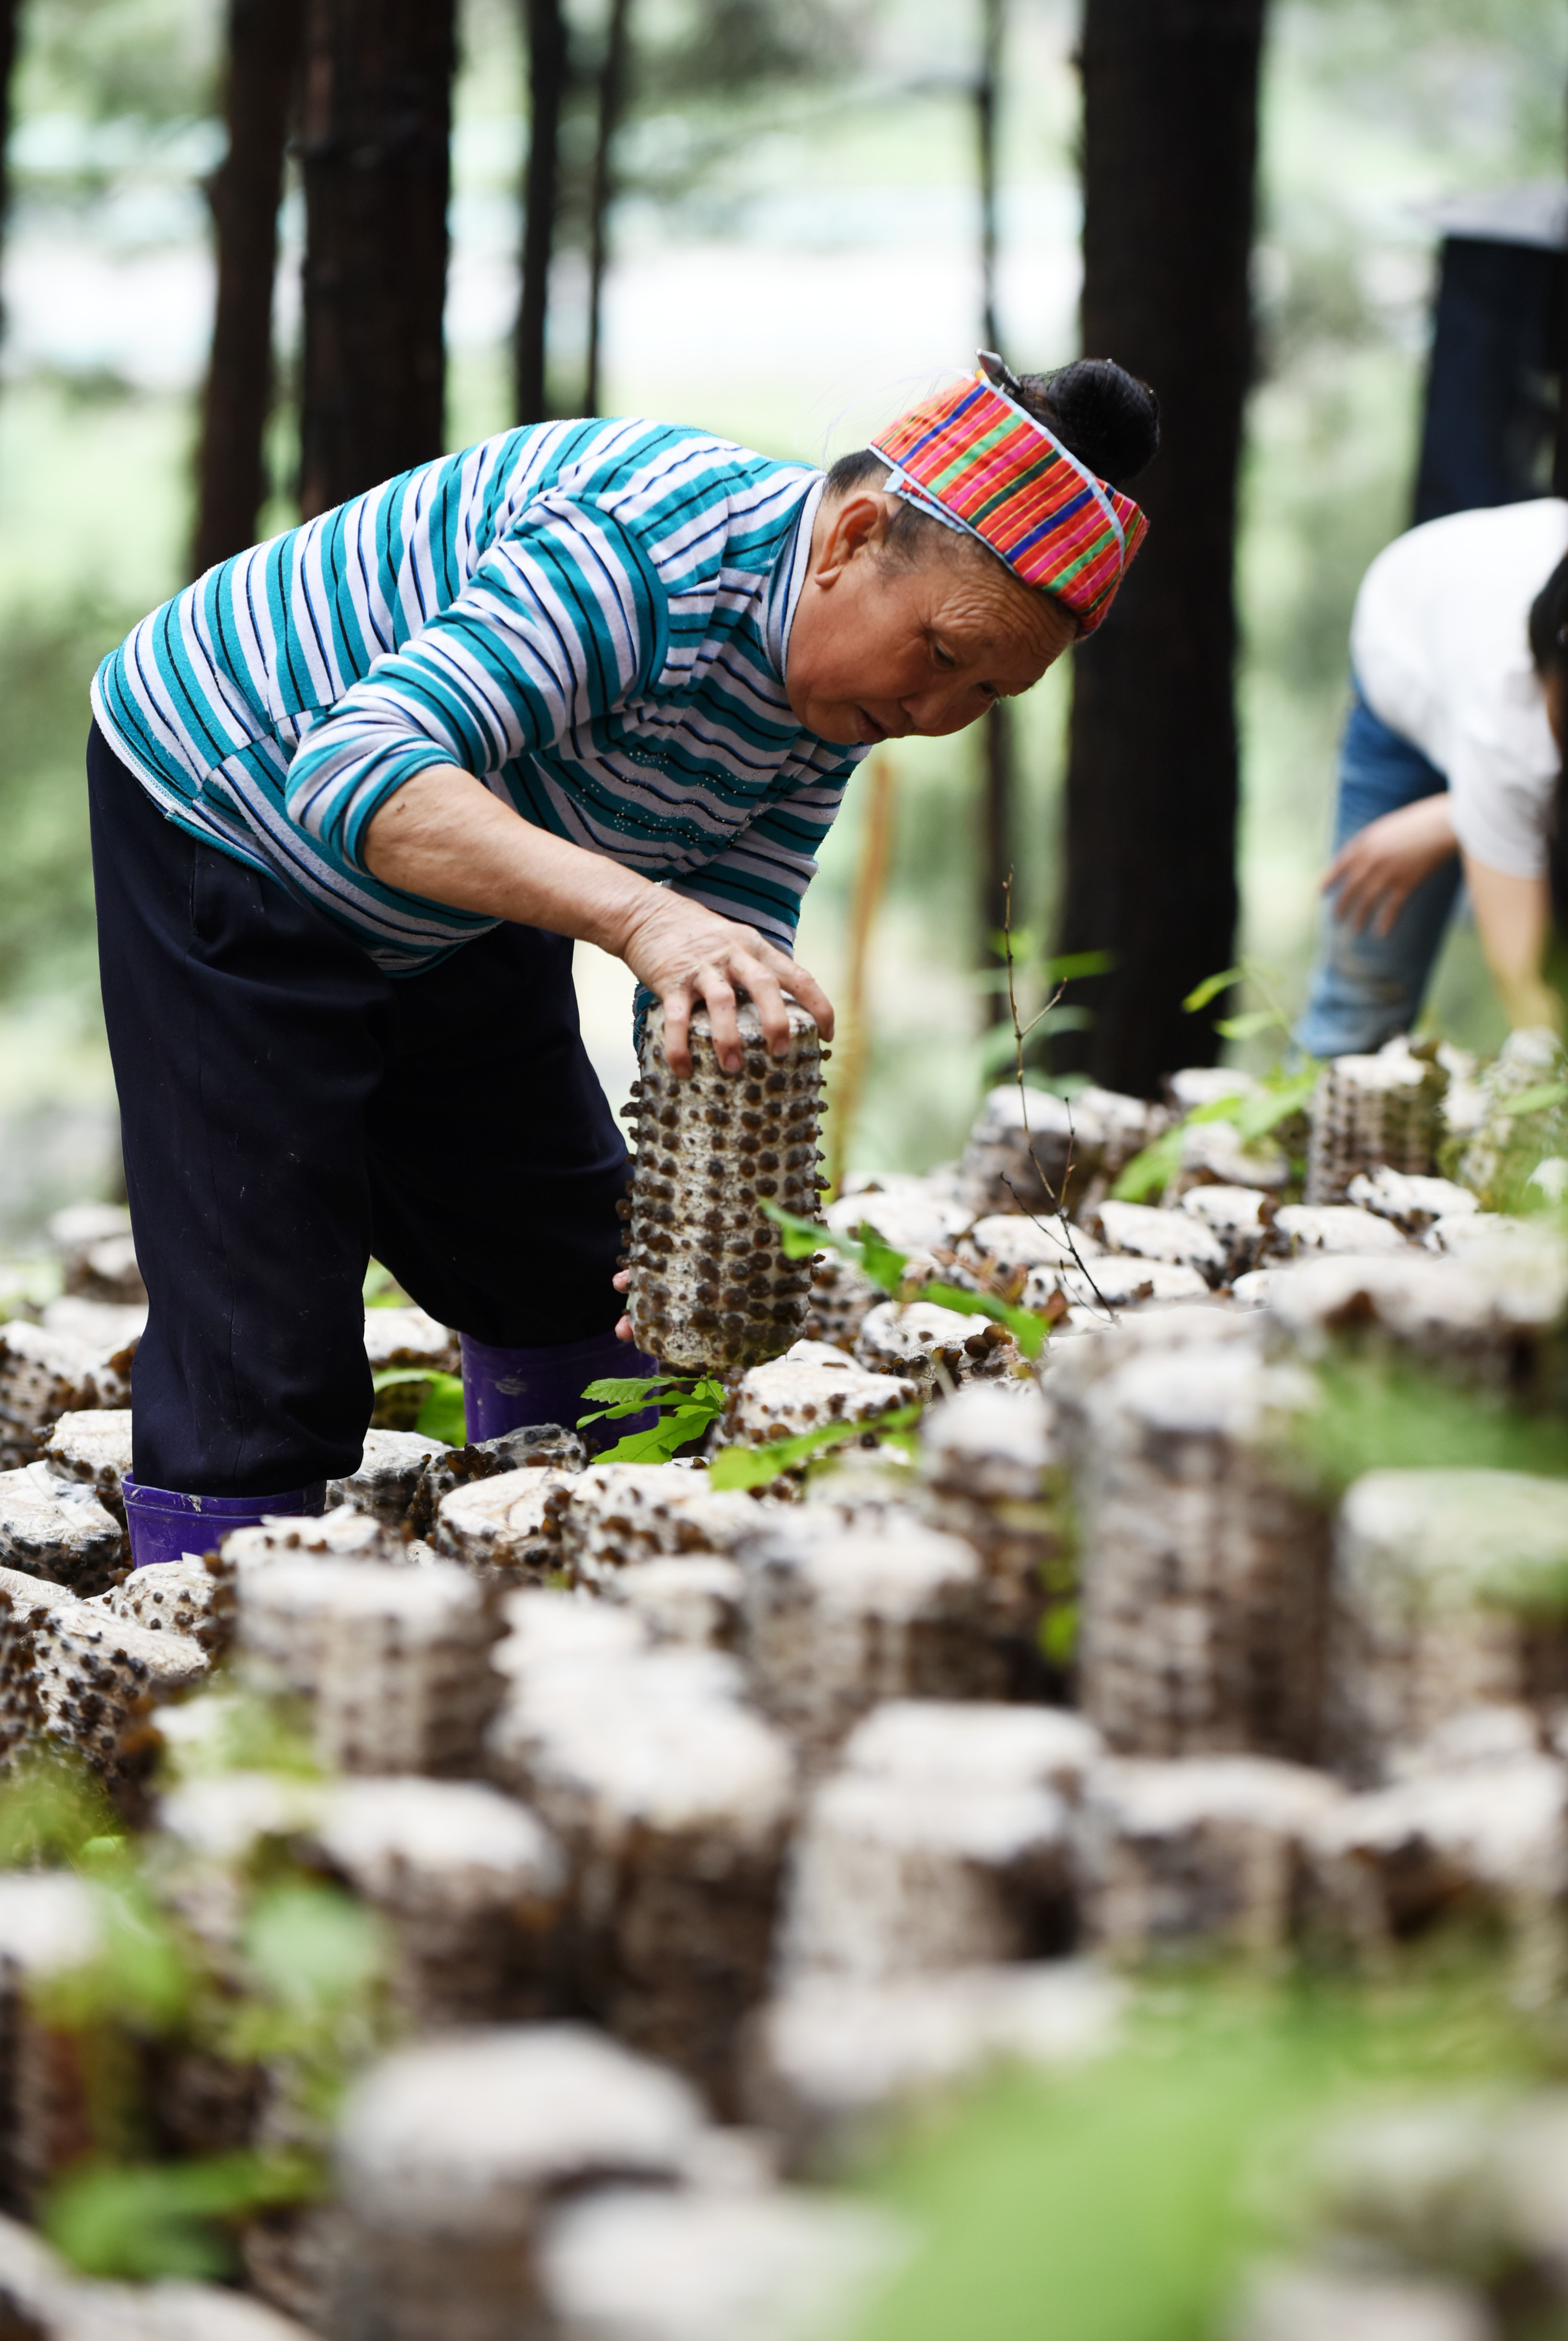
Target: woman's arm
point(1376, 872)
point(1513, 920)
point(445, 835)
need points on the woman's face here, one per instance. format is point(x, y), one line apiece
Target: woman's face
point(877, 650)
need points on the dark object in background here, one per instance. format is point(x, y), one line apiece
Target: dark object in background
point(10, 25)
point(375, 150)
point(1170, 143)
point(1490, 432)
point(612, 77)
point(548, 72)
point(263, 74)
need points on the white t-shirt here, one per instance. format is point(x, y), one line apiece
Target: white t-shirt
point(1441, 648)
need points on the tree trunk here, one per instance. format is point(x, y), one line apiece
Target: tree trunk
point(1170, 142)
point(377, 135)
point(996, 829)
point(10, 37)
point(246, 190)
point(548, 66)
point(987, 101)
point(611, 98)
point(998, 907)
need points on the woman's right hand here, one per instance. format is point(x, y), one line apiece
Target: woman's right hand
point(692, 958)
point(1375, 873)
point(444, 837)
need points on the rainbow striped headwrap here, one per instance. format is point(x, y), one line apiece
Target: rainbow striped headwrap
point(972, 458)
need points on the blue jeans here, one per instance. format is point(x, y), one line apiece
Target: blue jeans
point(1365, 987)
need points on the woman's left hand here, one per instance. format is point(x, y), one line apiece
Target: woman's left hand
point(1375, 873)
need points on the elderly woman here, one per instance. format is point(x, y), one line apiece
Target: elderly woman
point(355, 793)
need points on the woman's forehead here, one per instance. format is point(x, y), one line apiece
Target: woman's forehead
point(990, 614)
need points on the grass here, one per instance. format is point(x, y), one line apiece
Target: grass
point(1378, 1413)
point(1120, 2203)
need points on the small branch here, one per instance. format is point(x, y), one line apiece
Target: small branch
point(1020, 1033)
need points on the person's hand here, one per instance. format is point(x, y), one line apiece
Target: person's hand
point(1374, 874)
point(622, 1283)
point(691, 958)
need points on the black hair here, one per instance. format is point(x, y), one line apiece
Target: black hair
point(1101, 414)
point(1549, 650)
point(1549, 625)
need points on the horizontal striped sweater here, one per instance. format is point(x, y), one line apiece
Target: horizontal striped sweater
point(593, 617)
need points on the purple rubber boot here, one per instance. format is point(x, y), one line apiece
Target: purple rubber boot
point(164, 1525)
point(512, 1389)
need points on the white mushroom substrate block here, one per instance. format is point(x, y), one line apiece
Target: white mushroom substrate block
point(761, 1796)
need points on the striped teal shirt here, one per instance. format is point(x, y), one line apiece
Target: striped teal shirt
point(591, 616)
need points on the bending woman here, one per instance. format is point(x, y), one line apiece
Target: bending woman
point(355, 793)
point(1451, 753)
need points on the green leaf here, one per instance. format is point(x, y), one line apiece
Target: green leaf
point(1059, 1633)
point(1253, 1113)
point(800, 1238)
point(866, 1251)
point(1264, 1110)
point(148, 2222)
point(631, 1389)
point(381, 1289)
point(1151, 1172)
point(759, 1466)
point(1535, 1101)
point(1067, 967)
point(682, 1416)
point(1029, 1331)
point(1025, 941)
point(1251, 1022)
point(878, 1260)
point(443, 1414)
point(312, 1947)
point(1210, 988)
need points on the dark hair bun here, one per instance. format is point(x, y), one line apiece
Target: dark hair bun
point(1105, 415)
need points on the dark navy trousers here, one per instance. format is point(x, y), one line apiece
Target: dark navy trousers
point(287, 1110)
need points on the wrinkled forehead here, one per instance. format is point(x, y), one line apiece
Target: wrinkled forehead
point(990, 614)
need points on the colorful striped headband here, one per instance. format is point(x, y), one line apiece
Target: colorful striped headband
point(975, 459)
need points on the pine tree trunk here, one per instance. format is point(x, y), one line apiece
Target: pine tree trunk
point(10, 38)
point(997, 825)
point(612, 98)
point(376, 155)
point(1170, 142)
point(246, 190)
point(548, 65)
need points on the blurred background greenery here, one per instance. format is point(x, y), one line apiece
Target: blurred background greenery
point(794, 253)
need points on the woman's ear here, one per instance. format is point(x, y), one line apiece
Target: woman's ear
point(855, 527)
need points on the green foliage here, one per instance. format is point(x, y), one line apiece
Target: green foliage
point(1255, 1114)
point(154, 2221)
point(441, 1414)
point(759, 1466)
point(381, 1289)
point(52, 1808)
point(239, 1729)
point(1211, 987)
point(108, 59)
point(1381, 1413)
point(311, 1947)
point(889, 1270)
point(47, 926)
point(306, 1995)
point(142, 1977)
point(1118, 2203)
point(686, 1409)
